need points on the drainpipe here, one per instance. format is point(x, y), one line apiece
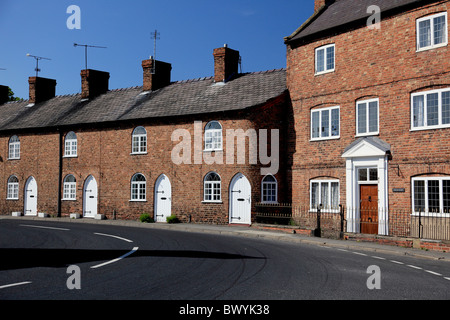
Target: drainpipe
point(60, 171)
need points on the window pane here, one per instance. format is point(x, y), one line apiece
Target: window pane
point(314, 195)
point(418, 114)
point(362, 118)
point(446, 107)
point(432, 109)
point(320, 60)
point(373, 174)
point(330, 58)
point(439, 29)
point(325, 195)
point(325, 123)
point(433, 195)
point(373, 116)
point(424, 34)
point(362, 174)
point(315, 126)
point(334, 195)
point(419, 196)
point(446, 195)
point(335, 122)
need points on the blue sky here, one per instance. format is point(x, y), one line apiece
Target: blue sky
point(189, 31)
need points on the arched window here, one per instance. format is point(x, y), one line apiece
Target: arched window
point(71, 145)
point(14, 148)
point(13, 188)
point(269, 189)
point(70, 188)
point(138, 187)
point(212, 188)
point(139, 143)
point(213, 136)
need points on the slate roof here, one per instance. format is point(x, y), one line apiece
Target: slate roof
point(342, 12)
point(191, 97)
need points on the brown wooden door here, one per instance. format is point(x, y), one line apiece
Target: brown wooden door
point(369, 208)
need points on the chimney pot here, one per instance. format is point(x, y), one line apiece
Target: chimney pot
point(41, 89)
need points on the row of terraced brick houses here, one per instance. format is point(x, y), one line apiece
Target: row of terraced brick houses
point(358, 123)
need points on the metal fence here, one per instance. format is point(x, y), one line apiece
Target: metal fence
point(334, 221)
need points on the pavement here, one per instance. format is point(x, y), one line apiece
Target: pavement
point(256, 231)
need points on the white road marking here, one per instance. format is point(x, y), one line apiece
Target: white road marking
point(359, 253)
point(397, 262)
point(14, 285)
point(379, 258)
point(415, 267)
point(112, 236)
point(432, 272)
point(42, 227)
point(115, 260)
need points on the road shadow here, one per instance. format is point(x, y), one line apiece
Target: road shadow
point(12, 259)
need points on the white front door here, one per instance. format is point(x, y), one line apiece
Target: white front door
point(30, 205)
point(240, 200)
point(90, 198)
point(163, 199)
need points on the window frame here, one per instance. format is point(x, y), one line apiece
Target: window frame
point(330, 123)
point(269, 183)
point(425, 125)
point(71, 142)
point(426, 211)
point(137, 185)
point(368, 118)
point(215, 185)
point(69, 188)
point(433, 45)
point(12, 192)
point(215, 146)
point(325, 207)
point(325, 66)
point(140, 139)
point(15, 147)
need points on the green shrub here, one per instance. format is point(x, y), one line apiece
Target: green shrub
point(172, 219)
point(146, 218)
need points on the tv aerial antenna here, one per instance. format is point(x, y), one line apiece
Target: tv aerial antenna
point(155, 36)
point(37, 62)
point(86, 46)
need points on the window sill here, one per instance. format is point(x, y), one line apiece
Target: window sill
point(324, 72)
point(359, 135)
point(138, 153)
point(12, 199)
point(213, 150)
point(432, 47)
point(12, 159)
point(211, 201)
point(439, 126)
point(70, 156)
point(69, 199)
point(138, 201)
point(325, 139)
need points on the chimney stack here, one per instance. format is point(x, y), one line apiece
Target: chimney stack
point(226, 63)
point(4, 92)
point(318, 4)
point(93, 83)
point(156, 74)
point(41, 89)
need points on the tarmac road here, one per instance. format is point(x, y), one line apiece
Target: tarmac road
point(128, 260)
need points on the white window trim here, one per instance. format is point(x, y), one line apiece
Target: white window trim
point(325, 208)
point(263, 183)
point(330, 137)
point(441, 198)
point(325, 47)
point(365, 134)
point(214, 185)
point(138, 184)
point(13, 144)
point(70, 142)
point(425, 114)
point(212, 131)
point(69, 186)
point(15, 187)
point(433, 46)
point(139, 136)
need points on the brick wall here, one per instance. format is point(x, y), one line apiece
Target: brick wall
point(369, 63)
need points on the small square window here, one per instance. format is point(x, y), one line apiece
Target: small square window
point(325, 59)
